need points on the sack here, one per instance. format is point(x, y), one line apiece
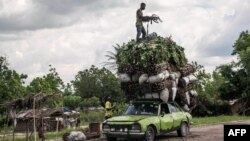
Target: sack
point(192, 78)
point(164, 95)
point(187, 98)
point(174, 83)
point(143, 78)
point(152, 96)
point(174, 91)
point(177, 81)
point(177, 74)
point(186, 108)
point(135, 77)
point(193, 93)
point(124, 77)
point(172, 76)
point(186, 70)
point(77, 136)
point(159, 77)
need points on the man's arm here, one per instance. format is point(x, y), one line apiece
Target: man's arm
point(143, 18)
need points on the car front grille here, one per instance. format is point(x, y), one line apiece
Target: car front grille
point(120, 128)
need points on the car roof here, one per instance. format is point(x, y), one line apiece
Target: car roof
point(151, 101)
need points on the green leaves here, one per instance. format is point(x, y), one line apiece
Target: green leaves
point(98, 82)
point(49, 83)
point(146, 53)
point(11, 84)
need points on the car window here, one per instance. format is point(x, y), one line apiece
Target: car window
point(164, 109)
point(172, 108)
point(177, 109)
point(142, 109)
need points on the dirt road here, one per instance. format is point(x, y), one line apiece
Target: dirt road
point(197, 133)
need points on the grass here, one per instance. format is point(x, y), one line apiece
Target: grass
point(218, 119)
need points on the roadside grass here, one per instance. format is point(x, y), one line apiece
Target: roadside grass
point(218, 119)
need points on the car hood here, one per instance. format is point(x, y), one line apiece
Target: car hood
point(130, 118)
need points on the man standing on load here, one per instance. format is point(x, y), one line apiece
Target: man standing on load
point(139, 25)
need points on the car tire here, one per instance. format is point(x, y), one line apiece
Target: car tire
point(111, 138)
point(150, 134)
point(183, 131)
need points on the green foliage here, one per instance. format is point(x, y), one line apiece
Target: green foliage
point(235, 81)
point(68, 90)
point(229, 81)
point(97, 82)
point(242, 50)
point(120, 108)
point(144, 54)
point(91, 102)
point(50, 83)
point(93, 116)
point(72, 101)
point(11, 83)
point(218, 119)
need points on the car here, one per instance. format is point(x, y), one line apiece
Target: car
point(146, 119)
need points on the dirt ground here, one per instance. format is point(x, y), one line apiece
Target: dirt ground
point(197, 133)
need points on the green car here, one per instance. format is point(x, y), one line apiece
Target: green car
point(146, 119)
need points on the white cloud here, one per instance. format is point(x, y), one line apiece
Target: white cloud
point(73, 35)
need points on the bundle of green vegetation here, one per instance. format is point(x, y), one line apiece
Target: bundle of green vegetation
point(156, 69)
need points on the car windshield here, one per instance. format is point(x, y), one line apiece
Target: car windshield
point(142, 109)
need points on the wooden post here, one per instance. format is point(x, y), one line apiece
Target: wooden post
point(13, 128)
point(27, 131)
point(34, 116)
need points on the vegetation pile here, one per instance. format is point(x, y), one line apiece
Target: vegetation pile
point(156, 69)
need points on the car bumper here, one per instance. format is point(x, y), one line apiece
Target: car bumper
point(124, 134)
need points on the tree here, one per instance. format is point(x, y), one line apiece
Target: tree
point(11, 83)
point(11, 87)
point(50, 83)
point(235, 81)
point(242, 50)
point(97, 82)
point(72, 101)
point(68, 90)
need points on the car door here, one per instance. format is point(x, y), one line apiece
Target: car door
point(166, 119)
point(176, 114)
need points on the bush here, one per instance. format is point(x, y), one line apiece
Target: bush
point(92, 116)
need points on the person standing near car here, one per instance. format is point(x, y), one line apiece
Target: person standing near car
point(108, 108)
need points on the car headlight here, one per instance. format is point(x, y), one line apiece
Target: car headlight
point(106, 127)
point(136, 127)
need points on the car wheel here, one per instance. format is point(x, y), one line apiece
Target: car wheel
point(183, 131)
point(111, 138)
point(150, 134)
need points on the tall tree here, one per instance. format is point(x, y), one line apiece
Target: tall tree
point(11, 84)
point(97, 82)
point(49, 83)
point(242, 50)
point(235, 81)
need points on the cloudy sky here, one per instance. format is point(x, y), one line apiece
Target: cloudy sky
point(74, 34)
